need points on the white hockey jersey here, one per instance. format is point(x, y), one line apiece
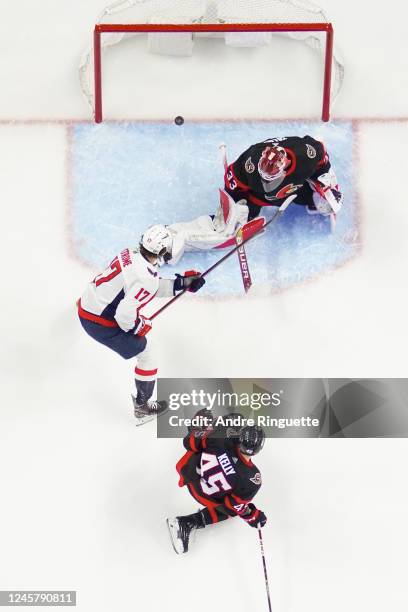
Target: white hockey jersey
point(123, 289)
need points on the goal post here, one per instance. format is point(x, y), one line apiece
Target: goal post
point(327, 28)
point(171, 27)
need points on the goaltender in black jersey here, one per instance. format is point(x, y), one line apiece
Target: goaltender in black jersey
point(267, 172)
point(219, 473)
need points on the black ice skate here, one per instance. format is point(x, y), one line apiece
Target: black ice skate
point(147, 411)
point(181, 528)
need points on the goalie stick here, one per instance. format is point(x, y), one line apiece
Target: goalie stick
point(241, 252)
point(243, 261)
point(274, 219)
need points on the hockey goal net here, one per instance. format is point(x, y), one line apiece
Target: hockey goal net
point(172, 26)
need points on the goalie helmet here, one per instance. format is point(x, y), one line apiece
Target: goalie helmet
point(272, 163)
point(251, 440)
point(156, 240)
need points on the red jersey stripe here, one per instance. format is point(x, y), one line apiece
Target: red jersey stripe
point(192, 442)
point(239, 499)
point(180, 464)
point(89, 316)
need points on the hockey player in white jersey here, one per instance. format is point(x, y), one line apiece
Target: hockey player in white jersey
point(110, 309)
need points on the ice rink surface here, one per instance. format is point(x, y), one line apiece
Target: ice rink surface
point(84, 494)
point(145, 187)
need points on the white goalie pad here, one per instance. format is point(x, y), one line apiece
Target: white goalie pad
point(322, 206)
point(196, 235)
point(327, 205)
point(328, 179)
point(204, 233)
point(230, 214)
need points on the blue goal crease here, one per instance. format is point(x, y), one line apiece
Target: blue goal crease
point(128, 176)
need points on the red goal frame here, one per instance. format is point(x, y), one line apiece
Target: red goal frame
point(205, 28)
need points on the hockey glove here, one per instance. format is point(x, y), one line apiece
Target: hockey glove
point(190, 281)
point(254, 517)
point(143, 326)
point(327, 198)
point(330, 203)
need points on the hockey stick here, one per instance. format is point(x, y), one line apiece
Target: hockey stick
point(243, 261)
point(223, 149)
point(242, 257)
point(264, 568)
point(274, 219)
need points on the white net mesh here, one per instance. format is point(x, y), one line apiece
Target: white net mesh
point(213, 11)
point(209, 12)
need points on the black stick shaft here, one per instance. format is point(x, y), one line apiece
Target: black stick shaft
point(264, 568)
point(276, 216)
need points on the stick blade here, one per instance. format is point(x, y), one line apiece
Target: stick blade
point(286, 202)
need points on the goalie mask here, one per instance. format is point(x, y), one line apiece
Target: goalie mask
point(273, 162)
point(157, 241)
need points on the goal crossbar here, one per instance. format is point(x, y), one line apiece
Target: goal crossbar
point(102, 28)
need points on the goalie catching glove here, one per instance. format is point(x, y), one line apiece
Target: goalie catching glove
point(327, 197)
point(189, 281)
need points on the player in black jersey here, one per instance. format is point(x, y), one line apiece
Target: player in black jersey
point(269, 171)
point(219, 473)
point(263, 175)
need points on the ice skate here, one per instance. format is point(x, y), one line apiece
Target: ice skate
point(181, 529)
point(147, 411)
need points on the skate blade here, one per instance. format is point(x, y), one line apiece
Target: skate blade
point(143, 419)
point(172, 525)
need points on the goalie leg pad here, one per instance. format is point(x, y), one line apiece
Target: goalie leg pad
point(201, 234)
point(190, 236)
point(230, 214)
point(249, 229)
point(205, 233)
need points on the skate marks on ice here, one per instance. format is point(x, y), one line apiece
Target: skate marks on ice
point(127, 176)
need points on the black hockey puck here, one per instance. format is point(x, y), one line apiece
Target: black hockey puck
point(179, 120)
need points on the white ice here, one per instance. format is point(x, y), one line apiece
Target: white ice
point(83, 493)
